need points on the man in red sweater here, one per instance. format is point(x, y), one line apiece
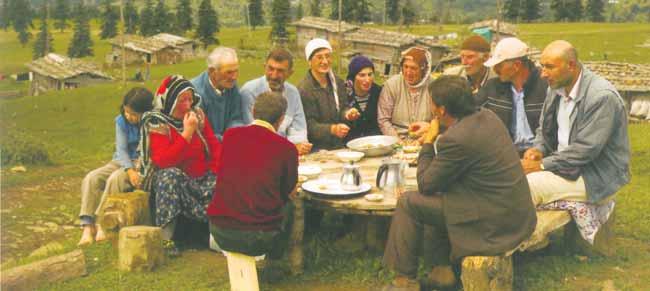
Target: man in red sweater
point(250, 209)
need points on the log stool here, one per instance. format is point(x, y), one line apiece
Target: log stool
point(124, 209)
point(242, 272)
point(140, 248)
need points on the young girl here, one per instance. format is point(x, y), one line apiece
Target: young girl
point(119, 175)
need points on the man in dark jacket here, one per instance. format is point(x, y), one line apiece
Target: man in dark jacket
point(518, 94)
point(472, 192)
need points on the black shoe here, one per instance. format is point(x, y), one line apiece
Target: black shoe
point(170, 249)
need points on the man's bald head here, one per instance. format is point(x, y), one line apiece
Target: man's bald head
point(560, 66)
point(561, 49)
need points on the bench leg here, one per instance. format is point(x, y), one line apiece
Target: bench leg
point(487, 273)
point(242, 272)
point(296, 263)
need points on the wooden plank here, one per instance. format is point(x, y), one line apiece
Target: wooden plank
point(242, 272)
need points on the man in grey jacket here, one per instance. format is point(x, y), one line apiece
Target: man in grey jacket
point(581, 150)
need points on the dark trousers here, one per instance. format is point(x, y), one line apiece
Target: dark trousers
point(415, 216)
point(256, 243)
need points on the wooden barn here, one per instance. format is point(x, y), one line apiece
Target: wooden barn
point(56, 72)
point(631, 80)
point(159, 49)
point(384, 48)
point(309, 28)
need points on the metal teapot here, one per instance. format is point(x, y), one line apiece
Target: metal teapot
point(391, 176)
point(351, 179)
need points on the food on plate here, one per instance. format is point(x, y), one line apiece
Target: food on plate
point(322, 187)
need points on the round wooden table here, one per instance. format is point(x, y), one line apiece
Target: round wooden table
point(332, 168)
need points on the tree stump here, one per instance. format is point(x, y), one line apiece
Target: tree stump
point(140, 248)
point(50, 270)
point(124, 209)
point(297, 233)
point(487, 273)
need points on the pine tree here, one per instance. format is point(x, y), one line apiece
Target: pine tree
point(408, 13)
point(22, 23)
point(162, 18)
point(560, 11)
point(131, 17)
point(61, 14)
point(574, 10)
point(280, 11)
point(531, 10)
point(147, 24)
point(43, 43)
point(362, 11)
point(300, 11)
point(208, 24)
point(314, 8)
point(348, 10)
point(110, 18)
point(5, 18)
point(392, 11)
point(256, 13)
point(81, 43)
point(184, 16)
point(595, 9)
point(512, 9)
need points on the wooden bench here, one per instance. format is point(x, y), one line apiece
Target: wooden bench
point(495, 273)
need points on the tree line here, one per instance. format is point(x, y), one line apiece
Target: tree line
point(563, 10)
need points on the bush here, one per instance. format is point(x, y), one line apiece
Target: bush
point(21, 148)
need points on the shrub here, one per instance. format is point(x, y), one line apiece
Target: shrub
point(21, 148)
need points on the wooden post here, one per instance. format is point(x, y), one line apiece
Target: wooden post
point(124, 209)
point(50, 270)
point(487, 273)
point(296, 263)
point(140, 248)
point(242, 272)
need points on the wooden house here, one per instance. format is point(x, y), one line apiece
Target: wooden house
point(632, 82)
point(384, 48)
point(309, 28)
point(162, 48)
point(488, 29)
point(57, 72)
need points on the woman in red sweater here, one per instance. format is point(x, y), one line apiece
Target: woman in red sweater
point(180, 155)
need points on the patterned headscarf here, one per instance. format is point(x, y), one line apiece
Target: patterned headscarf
point(422, 57)
point(160, 118)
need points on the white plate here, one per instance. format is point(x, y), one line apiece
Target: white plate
point(311, 171)
point(332, 187)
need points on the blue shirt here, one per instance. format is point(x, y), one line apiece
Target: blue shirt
point(522, 134)
point(127, 137)
point(223, 108)
point(294, 125)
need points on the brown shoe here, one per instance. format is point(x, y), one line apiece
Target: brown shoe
point(402, 284)
point(441, 277)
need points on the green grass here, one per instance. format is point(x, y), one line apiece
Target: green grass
point(76, 127)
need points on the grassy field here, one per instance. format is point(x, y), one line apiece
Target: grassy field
point(75, 127)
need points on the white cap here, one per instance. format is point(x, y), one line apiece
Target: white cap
point(315, 44)
point(507, 49)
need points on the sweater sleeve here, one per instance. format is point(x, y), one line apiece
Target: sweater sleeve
point(214, 145)
point(122, 146)
point(166, 152)
point(291, 173)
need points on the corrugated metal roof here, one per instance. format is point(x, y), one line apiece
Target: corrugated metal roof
point(390, 38)
point(60, 67)
point(624, 76)
point(504, 27)
point(324, 23)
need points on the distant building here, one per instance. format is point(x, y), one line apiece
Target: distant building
point(384, 48)
point(488, 29)
point(631, 80)
point(309, 28)
point(57, 72)
point(162, 48)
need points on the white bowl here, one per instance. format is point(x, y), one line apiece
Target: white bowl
point(310, 171)
point(350, 156)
